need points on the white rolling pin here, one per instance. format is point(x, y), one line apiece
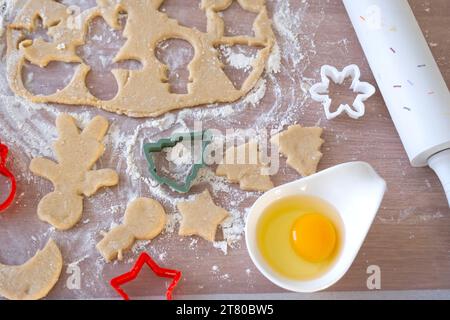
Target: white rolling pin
point(409, 79)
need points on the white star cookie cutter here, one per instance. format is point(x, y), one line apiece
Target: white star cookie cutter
point(319, 92)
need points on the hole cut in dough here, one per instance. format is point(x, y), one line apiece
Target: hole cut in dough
point(38, 31)
point(237, 62)
point(238, 21)
point(140, 92)
point(101, 46)
point(188, 13)
point(176, 55)
point(48, 80)
point(79, 5)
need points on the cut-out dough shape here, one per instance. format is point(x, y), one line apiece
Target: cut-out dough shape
point(201, 217)
point(73, 176)
point(242, 165)
point(301, 146)
point(144, 220)
point(141, 92)
point(319, 91)
point(34, 279)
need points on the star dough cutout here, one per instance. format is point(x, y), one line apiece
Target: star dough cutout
point(301, 146)
point(201, 217)
point(319, 92)
point(239, 167)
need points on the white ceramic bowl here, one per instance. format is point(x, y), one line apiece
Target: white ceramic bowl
point(354, 189)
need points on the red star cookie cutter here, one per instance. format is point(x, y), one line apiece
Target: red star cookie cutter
point(144, 258)
point(6, 173)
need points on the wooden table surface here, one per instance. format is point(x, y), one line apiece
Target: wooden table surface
point(410, 238)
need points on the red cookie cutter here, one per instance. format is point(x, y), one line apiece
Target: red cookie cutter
point(144, 258)
point(6, 173)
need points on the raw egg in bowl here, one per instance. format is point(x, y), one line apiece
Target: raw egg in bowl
point(304, 236)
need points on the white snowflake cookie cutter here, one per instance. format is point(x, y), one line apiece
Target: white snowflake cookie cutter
point(319, 92)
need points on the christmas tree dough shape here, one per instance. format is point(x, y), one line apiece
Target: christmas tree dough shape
point(144, 220)
point(34, 279)
point(301, 146)
point(144, 92)
point(201, 217)
point(72, 176)
point(242, 165)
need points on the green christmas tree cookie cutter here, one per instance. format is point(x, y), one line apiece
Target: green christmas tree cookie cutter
point(151, 148)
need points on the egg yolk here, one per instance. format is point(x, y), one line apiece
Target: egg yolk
point(314, 237)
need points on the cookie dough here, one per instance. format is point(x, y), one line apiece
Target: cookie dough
point(34, 279)
point(239, 167)
point(72, 176)
point(302, 147)
point(143, 92)
point(144, 220)
point(201, 217)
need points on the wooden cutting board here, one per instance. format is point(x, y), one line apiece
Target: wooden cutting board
point(410, 238)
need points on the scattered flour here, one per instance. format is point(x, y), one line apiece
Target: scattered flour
point(179, 155)
point(257, 94)
point(77, 262)
point(222, 245)
point(237, 60)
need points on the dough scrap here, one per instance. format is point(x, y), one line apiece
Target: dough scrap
point(72, 176)
point(239, 167)
point(143, 92)
point(201, 217)
point(34, 279)
point(302, 147)
point(144, 220)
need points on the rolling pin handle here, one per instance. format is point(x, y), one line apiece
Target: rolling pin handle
point(440, 163)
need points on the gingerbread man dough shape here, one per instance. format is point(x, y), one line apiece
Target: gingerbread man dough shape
point(72, 176)
point(144, 220)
